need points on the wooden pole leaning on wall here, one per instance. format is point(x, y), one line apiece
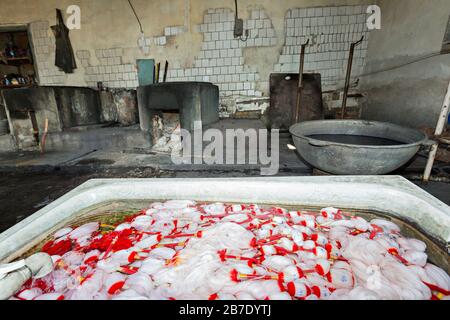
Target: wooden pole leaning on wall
point(300, 83)
point(439, 131)
point(166, 68)
point(158, 71)
point(349, 74)
point(44, 136)
point(34, 124)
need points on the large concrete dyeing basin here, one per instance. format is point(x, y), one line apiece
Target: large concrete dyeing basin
point(387, 196)
point(356, 147)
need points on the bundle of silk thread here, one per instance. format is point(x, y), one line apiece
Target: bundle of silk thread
point(184, 250)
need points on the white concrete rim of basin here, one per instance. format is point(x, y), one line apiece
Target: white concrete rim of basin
point(390, 195)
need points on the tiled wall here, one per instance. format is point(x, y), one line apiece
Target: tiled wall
point(168, 32)
point(44, 54)
point(221, 60)
point(111, 70)
point(331, 30)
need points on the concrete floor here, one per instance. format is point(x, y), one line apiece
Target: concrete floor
point(30, 181)
point(94, 152)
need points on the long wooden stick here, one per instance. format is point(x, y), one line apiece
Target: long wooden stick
point(166, 68)
point(439, 131)
point(300, 83)
point(158, 71)
point(348, 76)
point(44, 137)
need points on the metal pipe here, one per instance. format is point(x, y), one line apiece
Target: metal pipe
point(300, 83)
point(439, 131)
point(349, 73)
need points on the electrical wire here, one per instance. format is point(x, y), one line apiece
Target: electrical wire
point(135, 14)
point(422, 58)
point(246, 37)
point(425, 57)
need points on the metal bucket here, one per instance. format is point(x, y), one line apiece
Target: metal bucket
point(354, 159)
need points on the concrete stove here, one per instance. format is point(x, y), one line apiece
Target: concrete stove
point(195, 101)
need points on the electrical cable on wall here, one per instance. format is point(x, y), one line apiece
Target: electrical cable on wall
point(135, 14)
point(142, 41)
point(422, 58)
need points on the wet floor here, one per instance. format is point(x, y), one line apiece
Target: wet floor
point(22, 194)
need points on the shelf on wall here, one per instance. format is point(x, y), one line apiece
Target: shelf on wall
point(16, 86)
point(16, 61)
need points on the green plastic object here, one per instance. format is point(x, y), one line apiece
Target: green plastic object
point(145, 71)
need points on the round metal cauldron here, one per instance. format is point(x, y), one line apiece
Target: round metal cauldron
point(353, 158)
